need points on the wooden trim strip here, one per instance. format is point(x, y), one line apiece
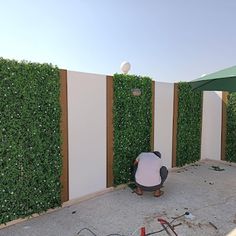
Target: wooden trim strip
point(175, 119)
point(109, 131)
point(64, 133)
point(153, 115)
point(224, 125)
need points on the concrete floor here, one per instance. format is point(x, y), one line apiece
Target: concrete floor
point(209, 195)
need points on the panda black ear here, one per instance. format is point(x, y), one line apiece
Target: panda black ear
point(157, 154)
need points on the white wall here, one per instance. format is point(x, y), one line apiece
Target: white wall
point(163, 121)
point(211, 125)
point(86, 133)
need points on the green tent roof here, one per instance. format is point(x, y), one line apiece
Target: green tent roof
point(222, 80)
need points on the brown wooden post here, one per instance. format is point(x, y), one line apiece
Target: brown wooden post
point(153, 115)
point(175, 119)
point(224, 124)
point(109, 131)
point(64, 133)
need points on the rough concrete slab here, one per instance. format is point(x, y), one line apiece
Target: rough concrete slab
point(209, 195)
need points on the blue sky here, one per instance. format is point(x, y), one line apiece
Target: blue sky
point(168, 40)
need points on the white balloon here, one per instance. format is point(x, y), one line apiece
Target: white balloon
point(125, 67)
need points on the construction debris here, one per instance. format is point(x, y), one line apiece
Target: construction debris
point(216, 168)
point(213, 225)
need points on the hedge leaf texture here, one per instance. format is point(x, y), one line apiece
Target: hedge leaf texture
point(30, 159)
point(231, 128)
point(188, 125)
point(132, 121)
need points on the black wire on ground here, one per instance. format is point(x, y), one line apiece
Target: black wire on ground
point(88, 230)
point(168, 226)
point(115, 234)
point(118, 234)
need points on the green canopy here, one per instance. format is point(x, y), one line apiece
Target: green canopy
point(222, 80)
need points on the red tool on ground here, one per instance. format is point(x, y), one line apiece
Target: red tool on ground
point(143, 231)
point(164, 223)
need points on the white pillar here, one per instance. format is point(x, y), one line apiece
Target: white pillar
point(86, 133)
point(163, 121)
point(211, 125)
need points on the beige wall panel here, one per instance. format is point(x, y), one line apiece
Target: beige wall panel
point(87, 133)
point(211, 125)
point(163, 123)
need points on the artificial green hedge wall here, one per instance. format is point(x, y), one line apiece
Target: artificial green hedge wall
point(132, 121)
point(30, 160)
point(188, 148)
point(231, 128)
